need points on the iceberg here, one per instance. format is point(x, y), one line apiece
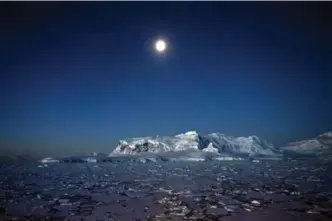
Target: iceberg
point(316, 145)
point(215, 143)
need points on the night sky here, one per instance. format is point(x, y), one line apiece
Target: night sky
point(77, 77)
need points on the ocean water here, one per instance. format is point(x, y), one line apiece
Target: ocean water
point(264, 189)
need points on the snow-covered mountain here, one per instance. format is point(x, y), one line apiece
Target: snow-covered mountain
point(320, 143)
point(214, 143)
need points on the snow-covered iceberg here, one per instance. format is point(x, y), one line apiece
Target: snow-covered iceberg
point(213, 143)
point(180, 142)
point(318, 144)
point(251, 145)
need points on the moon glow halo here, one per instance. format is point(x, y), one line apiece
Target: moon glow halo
point(160, 46)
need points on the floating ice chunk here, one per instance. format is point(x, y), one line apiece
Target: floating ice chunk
point(142, 160)
point(228, 209)
point(49, 160)
point(152, 159)
point(194, 159)
point(228, 158)
point(255, 203)
point(247, 209)
point(313, 211)
point(90, 160)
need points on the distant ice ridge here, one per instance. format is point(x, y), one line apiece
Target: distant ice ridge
point(305, 146)
point(49, 160)
point(216, 143)
point(327, 135)
point(90, 158)
point(320, 143)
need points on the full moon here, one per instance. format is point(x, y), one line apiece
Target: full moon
point(160, 46)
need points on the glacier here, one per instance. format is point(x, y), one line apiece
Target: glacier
point(216, 143)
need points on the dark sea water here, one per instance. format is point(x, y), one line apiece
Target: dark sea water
point(209, 190)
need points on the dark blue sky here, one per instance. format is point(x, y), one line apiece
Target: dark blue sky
point(77, 77)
